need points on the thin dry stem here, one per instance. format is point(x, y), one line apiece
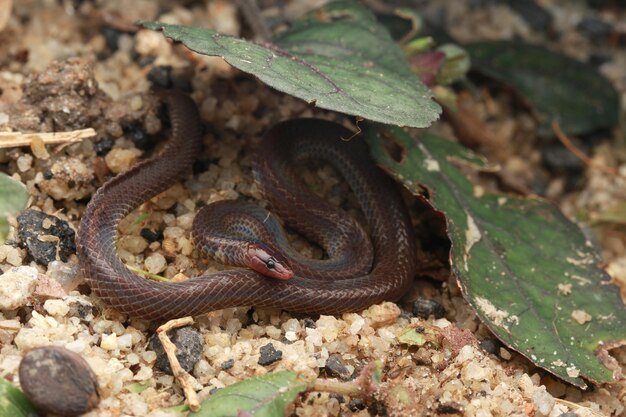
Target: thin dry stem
point(185, 380)
point(578, 407)
point(16, 139)
point(349, 389)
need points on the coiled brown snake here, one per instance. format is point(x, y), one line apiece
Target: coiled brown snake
point(282, 150)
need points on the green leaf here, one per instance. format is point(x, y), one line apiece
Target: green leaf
point(139, 387)
point(263, 396)
point(529, 273)
point(13, 402)
point(337, 57)
point(13, 199)
point(419, 335)
point(558, 87)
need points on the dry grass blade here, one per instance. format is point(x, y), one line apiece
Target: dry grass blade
point(16, 139)
point(575, 406)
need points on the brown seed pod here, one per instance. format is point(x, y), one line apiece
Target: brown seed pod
point(58, 381)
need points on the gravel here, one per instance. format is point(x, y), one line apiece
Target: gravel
point(269, 355)
point(188, 342)
point(45, 237)
point(237, 110)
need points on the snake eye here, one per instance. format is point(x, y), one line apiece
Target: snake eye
point(270, 263)
point(267, 261)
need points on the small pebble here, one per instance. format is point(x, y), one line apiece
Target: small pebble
point(424, 308)
point(335, 367)
point(44, 236)
point(66, 274)
point(13, 256)
point(80, 306)
point(568, 414)
point(227, 364)
point(269, 355)
point(111, 37)
point(356, 404)
point(136, 103)
point(103, 146)
point(161, 76)
point(543, 401)
point(151, 235)
point(450, 408)
point(24, 162)
point(188, 343)
point(109, 341)
point(138, 135)
point(16, 286)
point(56, 307)
point(340, 399)
point(120, 160)
point(309, 323)
point(155, 263)
point(58, 381)
point(490, 345)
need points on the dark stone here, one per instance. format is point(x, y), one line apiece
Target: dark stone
point(377, 408)
point(490, 345)
point(111, 37)
point(145, 60)
point(104, 146)
point(557, 158)
point(138, 135)
point(161, 76)
point(269, 355)
point(31, 228)
point(568, 414)
point(188, 343)
point(228, 364)
point(309, 323)
point(58, 381)
point(425, 307)
point(200, 166)
point(48, 175)
point(335, 367)
point(450, 408)
point(534, 15)
point(594, 27)
point(338, 397)
point(150, 235)
point(356, 404)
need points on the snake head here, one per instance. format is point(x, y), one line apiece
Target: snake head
point(268, 261)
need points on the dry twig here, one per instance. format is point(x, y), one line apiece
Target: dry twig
point(575, 406)
point(16, 139)
point(185, 380)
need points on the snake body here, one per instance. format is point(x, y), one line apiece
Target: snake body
point(284, 147)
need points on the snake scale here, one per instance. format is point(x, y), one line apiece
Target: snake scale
point(282, 150)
